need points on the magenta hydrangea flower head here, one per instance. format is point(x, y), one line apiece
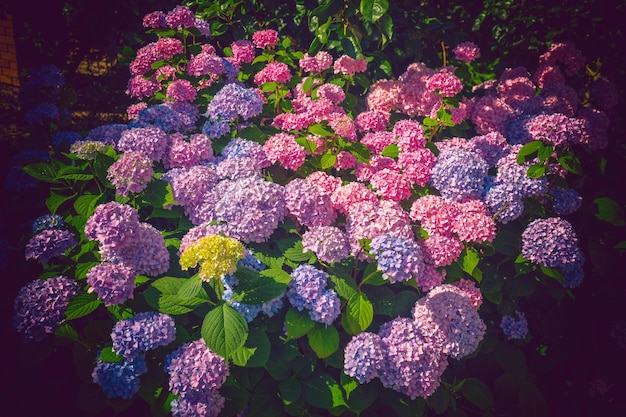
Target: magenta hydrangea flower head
point(514, 327)
point(267, 38)
point(459, 174)
point(181, 91)
point(154, 20)
point(131, 173)
point(447, 315)
point(120, 379)
point(113, 224)
point(444, 82)
point(243, 52)
point(49, 244)
point(412, 365)
point(328, 243)
point(112, 283)
point(363, 357)
point(308, 203)
point(184, 153)
point(318, 63)
point(196, 374)
point(349, 66)
point(146, 254)
point(466, 51)
point(145, 331)
point(470, 288)
point(180, 17)
point(277, 72)
point(398, 257)
point(39, 307)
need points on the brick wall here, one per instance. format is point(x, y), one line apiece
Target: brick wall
point(8, 58)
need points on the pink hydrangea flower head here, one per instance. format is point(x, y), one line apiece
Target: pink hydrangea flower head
point(308, 203)
point(365, 171)
point(112, 283)
point(328, 243)
point(442, 250)
point(265, 38)
point(469, 286)
point(332, 92)
point(139, 87)
point(343, 126)
point(349, 194)
point(327, 182)
point(180, 17)
point(345, 160)
point(416, 165)
point(318, 63)
point(277, 72)
point(131, 173)
point(181, 90)
point(243, 52)
point(391, 185)
point(410, 135)
point(283, 148)
point(166, 48)
point(415, 99)
point(206, 64)
point(349, 66)
point(564, 53)
point(466, 51)
point(133, 110)
point(372, 121)
point(377, 141)
point(444, 82)
point(154, 20)
point(491, 114)
point(383, 96)
point(603, 94)
point(474, 223)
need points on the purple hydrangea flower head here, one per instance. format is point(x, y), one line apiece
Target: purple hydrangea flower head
point(573, 273)
point(447, 315)
point(194, 367)
point(198, 404)
point(169, 117)
point(216, 128)
point(147, 254)
point(251, 208)
point(190, 186)
point(363, 357)
point(113, 283)
point(47, 222)
point(399, 258)
point(558, 129)
point(235, 168)
point(413, 365)
point(459, 174)
point(131, 173)
point(44, 77)
point(49, 244)
point(326, 307)
point(151, 141)
point(113, 224)
point(120, 379)
point(308, 203)
point(40, 306)
point(514, 327)
point(466, 51)
point(328, 243)
point(232, 101)
point(109, 134)
point(306, 286)
point(243, 148)
point(145, 331)
point(565, 201)
point(550, 242)
point(180, 17)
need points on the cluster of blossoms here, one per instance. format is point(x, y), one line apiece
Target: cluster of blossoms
point(40, 306)
point(308, 291)
point(410, 355)
point(48, 244)
point(196, 374)
point(127, 248)
point(47, 222)
point(514, 327)
point(145, 331)
point(120, 379)
point(216, 255)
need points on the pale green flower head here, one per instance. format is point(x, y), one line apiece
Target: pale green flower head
point(216, 255)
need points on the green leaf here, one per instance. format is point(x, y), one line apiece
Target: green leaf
point(319, 130)
point(86, 204)
point(296, 253)
point(345, 287)
point(224, 330)
point(609, 211)
point(297, 324)
point(570, 162)
point(162, 295)
point(529, 151)
point(469, 260)
point(84, 267)
point(277, 274)
point(347, 44)
point(478, 393)
point(82, 305)
point(545, 152)
point(67, 331)
point(108, 355)
point(42, 171)
point(254, 288)
point(76, 177)
point(190, 288)
point(360, 310)
point(328, 161)
point(507, 242)
point(359, 150)
point(430, 122)
point(307, 144)
point(258, 340)
point(242, 355)
point(308, 84)
point(536, 170)
point(324, 340)
point(511, 358)
point(252, 133)
point(290, 390)
point(372, 10)
point(391, 151)
point(321, 390)
point(55, 200)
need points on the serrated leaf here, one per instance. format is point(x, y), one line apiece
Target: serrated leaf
point(108, 355)
point(42, 171)
point(328, 161)
point(344, 287)
point(372, 10)
point(190, 288)
point(469, 260)
point(319, 130)
point(307, 144)
point(241, 355)
point(82, 305)
point(277, 274)
point(84, 267)
point(529, 151)
point(359, 150)
point(324, 340)
point(321, 390)
point(162, 295)
point(224, 330)
point(391, 151)
point(86, 204)
point(67, 331)
point(254, 288)
point(252, 133)
point(297, 324)
point(360, 310)
point(76, 177)
point(54, 201)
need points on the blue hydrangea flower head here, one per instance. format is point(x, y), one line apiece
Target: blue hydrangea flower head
point(120, 379)
point(514, 327)
point(145, 331)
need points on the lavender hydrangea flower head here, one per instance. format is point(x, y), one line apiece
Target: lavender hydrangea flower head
point(146, 254)
point(145, 331)
point(413, 365)
point(363, 357)
point(243, 148)
point(49, 244)
point(565, 201)
point(113, 283)
point(399, 258)
point(306, 286)
point(308, 203)
point(232, 101)
point(459, 174)
point(113, 224)
point(170, 117)
point(550, 242)
point(447, 315)
point(120, 379)
point(131, 173)
point(109, 134)
point(40, 306)
point(151, 141)
point(197, 403)
point(326, 307)
point(515, 327)
point(328, 243)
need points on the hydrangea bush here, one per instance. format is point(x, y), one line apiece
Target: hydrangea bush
point(273, 232)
